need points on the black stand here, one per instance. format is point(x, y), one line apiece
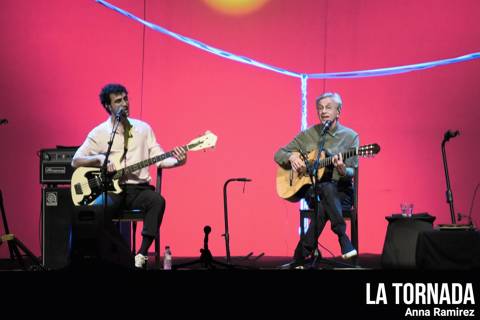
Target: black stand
point(206, 260)
point(225, 213)
point(79, 254)
point(449, 134)
point(14, 244)
point(312, 171)
point(104, 172)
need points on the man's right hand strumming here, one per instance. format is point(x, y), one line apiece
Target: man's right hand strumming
point(110, 165)
point(92, 161)
point(297, 163)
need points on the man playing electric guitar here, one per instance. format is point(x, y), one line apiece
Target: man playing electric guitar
point(335, 185)
point(134, 142)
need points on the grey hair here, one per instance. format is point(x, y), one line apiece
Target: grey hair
point(335, 97)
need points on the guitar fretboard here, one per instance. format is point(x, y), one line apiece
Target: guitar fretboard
point(345, 155)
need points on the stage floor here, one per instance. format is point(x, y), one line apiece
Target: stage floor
point(364, 261)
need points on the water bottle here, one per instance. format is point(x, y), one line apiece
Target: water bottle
point(167, 259)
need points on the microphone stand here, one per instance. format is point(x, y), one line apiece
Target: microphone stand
point(316, 208)
point(106, 182)
point(106, 178)
point(104, 170)
point(313, 177)
point(448, 194)
point(206, 260)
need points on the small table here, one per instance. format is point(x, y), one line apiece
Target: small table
point(399, 248)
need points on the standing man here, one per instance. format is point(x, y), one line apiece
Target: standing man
point(335, 186)
point(134, 142)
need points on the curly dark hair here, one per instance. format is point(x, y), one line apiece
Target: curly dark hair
point(107, 90)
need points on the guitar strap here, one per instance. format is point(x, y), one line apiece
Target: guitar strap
point(127, 134)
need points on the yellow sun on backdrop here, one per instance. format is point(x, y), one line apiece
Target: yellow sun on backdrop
point(235, 7)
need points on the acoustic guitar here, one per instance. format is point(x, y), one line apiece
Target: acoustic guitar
point(289, 182)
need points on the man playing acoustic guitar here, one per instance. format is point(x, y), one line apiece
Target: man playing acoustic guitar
point(134, 142)
point(334, 187)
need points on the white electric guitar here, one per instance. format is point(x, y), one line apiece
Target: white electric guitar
point(87, 183)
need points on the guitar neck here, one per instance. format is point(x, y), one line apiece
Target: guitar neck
point(146, 163)
point(345, 155)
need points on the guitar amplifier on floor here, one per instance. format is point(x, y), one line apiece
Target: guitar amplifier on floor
point(57, 209)
point(55, 165)
point(77, 237)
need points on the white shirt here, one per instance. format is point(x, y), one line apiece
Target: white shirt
point(142, 145)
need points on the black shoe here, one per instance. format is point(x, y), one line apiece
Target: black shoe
point(295, 264)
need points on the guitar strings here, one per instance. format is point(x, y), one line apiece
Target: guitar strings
point(122, 171)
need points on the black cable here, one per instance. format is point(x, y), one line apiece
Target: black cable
point(471, 204)
point(143, 57)
point(325, 43)
point(40, 225)
point(331, 253)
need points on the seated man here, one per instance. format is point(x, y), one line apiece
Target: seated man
point(335, 186)
point(134, 142)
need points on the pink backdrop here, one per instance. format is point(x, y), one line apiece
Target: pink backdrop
point(57, 54)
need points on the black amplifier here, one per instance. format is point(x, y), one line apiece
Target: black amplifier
point(55, 165)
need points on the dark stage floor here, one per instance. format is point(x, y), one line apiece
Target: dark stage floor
point(364, 262)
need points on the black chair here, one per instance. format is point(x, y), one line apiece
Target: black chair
point(136, 215)
point(349, 211)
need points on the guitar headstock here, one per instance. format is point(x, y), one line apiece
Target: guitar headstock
point(368, 150)
point(208, 140)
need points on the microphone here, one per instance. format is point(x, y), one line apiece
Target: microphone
point(121, 113)
point(3, 121)
point(326, 126)
point(207, 229)
point(450, 134)
point(242, 179)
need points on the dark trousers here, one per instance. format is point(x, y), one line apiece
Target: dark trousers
point(329, 201)
point(141, 197)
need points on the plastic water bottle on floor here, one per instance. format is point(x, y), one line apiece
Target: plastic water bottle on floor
point(167, 259)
